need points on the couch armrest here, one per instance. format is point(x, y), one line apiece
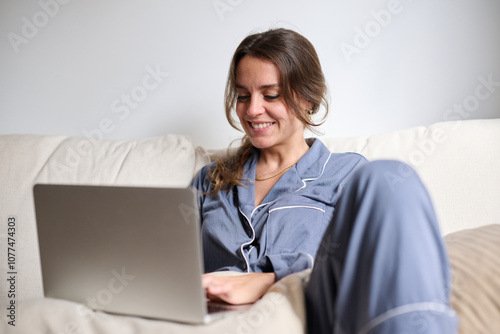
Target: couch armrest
point(475, 267)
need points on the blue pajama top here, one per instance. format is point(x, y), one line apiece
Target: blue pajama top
point(283, 233)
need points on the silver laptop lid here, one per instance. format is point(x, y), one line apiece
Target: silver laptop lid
point(127, 250)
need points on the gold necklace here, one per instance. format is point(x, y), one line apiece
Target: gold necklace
point(270, 177)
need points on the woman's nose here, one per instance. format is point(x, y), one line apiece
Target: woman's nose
point(255, 107)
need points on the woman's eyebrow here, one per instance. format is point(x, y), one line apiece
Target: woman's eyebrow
point(261, 87)
point(269, 86)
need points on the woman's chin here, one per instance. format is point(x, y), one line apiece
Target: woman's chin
point(260, 144)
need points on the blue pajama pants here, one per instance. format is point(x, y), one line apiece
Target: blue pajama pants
point(381, 266)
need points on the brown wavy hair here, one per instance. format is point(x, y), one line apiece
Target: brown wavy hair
point(301, 77)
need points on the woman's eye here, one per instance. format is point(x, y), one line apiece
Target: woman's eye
point(272, 97)
point(242, 97)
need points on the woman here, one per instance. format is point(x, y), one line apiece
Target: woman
point(283, 203)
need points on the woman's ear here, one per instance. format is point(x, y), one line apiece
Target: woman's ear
point(311, 108)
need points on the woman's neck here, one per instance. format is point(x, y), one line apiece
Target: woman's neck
point(275, 158)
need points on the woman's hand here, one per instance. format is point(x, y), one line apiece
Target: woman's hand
point(240, 289)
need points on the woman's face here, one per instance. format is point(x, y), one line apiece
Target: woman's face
point(260, 107)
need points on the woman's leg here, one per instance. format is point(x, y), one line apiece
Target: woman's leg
point(381, 266)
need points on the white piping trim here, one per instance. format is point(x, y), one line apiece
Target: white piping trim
point(303, 182)
point(247, 243)
point(429, 306)
point(262, 204)
point(322, 170)
point(297, 206)
point(312, 260)
point(258, 206)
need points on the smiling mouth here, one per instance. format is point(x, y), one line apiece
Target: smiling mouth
point(260, 125)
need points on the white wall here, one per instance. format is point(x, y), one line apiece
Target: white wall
point(66, 67)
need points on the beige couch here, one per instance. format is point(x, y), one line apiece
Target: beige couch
point(458, 161)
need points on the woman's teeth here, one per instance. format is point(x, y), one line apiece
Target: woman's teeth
point(261, 125)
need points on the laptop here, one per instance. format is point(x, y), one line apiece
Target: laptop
point(125, 250)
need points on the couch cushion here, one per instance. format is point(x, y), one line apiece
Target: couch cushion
point(475, 262)
point(169, 161)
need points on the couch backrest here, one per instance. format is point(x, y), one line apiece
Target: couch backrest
point(458, 161)
point(169, 161)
